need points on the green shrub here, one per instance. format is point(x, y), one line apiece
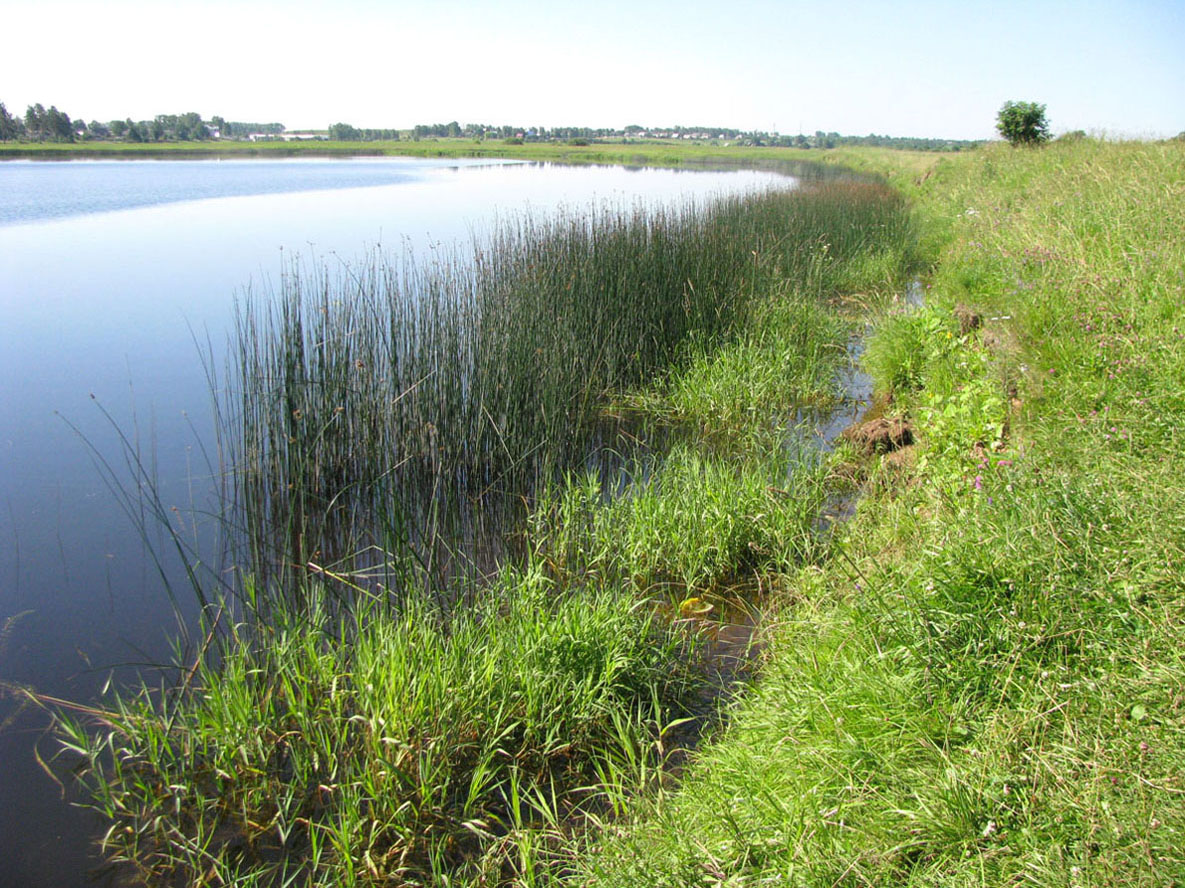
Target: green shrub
point(1023, 123)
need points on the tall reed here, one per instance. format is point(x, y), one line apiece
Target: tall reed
point(381, 399)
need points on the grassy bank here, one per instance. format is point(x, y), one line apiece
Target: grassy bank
point(984, 685)
point(359, 717)
point(656, 152)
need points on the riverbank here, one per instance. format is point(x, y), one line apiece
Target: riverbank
point(670, 152)
point(975, 681)
point(984, 685)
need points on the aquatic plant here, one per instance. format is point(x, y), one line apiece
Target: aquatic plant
point(378, 748)
point(380, 402)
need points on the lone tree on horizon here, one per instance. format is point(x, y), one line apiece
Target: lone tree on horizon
point(1023, 123)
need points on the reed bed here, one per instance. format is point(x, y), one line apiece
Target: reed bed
point(379, 403)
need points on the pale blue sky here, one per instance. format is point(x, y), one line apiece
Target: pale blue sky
point(922, 68)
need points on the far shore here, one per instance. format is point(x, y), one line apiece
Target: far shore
point(651, 152)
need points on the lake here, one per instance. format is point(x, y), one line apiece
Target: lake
point(117, 282)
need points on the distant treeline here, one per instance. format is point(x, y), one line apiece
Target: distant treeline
point(343, 132)
point(716, 134)
point(40, 125)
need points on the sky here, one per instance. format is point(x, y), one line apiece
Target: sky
point(905, 68)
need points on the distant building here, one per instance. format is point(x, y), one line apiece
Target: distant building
point(288, 137)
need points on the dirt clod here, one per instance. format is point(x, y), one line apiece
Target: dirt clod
point(969, 319)
point(880, 435)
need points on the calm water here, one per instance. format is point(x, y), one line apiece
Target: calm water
point(114, 277)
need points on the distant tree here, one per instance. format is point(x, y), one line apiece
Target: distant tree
point(1023, 123)
point(10, 127)
point(52, 124)
point(58, 125)
point(343, 132)
point(35, 121)
point(99, 130)
point(189, 126)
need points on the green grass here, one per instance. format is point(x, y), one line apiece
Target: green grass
point(694, 525)
point(385, 748)
point(984, 687)
point(788, 357)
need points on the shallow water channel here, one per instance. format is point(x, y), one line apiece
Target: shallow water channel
point(116, 282)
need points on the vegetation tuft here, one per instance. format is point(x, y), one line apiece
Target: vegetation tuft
point(375, 749)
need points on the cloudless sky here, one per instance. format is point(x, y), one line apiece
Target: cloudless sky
point(906, 68)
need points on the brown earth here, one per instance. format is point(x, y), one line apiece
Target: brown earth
point(880, 435)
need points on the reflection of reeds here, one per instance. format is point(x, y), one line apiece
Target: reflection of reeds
point(376, 399)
